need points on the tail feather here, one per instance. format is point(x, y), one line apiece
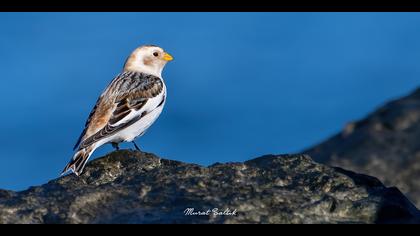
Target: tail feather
point(78, 162)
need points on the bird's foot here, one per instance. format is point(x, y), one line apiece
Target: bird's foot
point(137, 147)
point(115, 145)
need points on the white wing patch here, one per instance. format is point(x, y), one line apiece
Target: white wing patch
point(149, 113)
point(137, 97)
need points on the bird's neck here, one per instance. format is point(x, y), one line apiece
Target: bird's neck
point(145, 69)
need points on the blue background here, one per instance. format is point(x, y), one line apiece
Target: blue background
point(241, 85)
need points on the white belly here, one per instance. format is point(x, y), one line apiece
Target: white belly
point(139, 128)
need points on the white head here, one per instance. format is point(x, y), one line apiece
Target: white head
point(147, 59)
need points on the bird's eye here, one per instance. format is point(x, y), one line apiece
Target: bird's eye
point(155, 54)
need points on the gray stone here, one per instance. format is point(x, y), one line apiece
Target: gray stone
point(132, 187)
point(386, 144)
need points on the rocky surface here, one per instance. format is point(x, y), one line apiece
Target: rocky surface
point(132, 187)
point(385, 144)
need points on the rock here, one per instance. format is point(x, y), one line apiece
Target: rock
point(132, 187)
point(385, 144)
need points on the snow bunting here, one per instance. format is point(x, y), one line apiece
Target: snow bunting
point(127, 107)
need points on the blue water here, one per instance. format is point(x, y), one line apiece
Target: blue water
point(241, 85)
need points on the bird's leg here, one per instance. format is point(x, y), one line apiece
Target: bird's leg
point(115, 145)
point(137, 147)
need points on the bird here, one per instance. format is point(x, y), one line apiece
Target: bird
point(127, 107)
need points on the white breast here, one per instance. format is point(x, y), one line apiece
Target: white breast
point(139, 128)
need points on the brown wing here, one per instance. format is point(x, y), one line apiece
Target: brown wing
point(131, 92)
point(100, 112)
point(87, 123)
